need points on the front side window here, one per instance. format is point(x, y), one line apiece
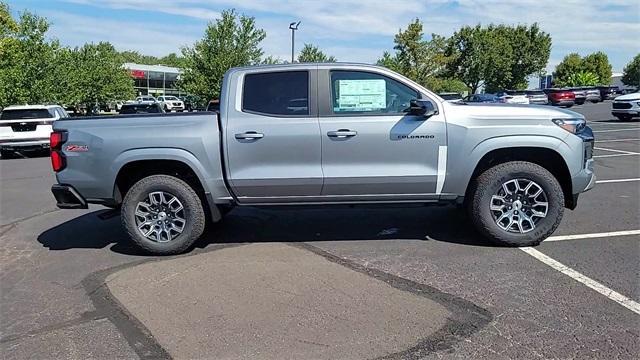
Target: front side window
point(355, 92)
point(276, 93)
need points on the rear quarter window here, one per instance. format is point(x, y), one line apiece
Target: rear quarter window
point(284, 93)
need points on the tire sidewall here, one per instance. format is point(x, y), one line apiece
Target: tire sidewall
point(192, 210)
point(543, 228)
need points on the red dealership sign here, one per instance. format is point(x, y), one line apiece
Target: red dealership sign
point(138, 74)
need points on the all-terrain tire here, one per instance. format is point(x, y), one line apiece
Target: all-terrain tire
point(490, 181)
point(193, 214)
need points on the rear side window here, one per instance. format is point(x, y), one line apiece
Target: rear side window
point(23, 114)
point(276, 93)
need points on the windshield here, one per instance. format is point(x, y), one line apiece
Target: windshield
point(171, 98)
point(515, 92)
point(24, 114)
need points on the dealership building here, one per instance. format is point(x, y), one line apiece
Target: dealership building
point(154, 80)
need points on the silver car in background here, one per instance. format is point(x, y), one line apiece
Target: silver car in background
point(537, 97)
point(581, 95)
point(592, 94)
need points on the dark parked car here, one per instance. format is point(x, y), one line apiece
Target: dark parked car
point(143, 108)
point(214, 105)
point(608, 92)
point(537, 97)
point(451, 96)
point(481, 98)
point(560, 97)
point(192, 103)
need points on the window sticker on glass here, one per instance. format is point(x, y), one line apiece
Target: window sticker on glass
point(361, 95)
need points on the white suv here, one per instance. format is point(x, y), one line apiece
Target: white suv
point(626, 107)
point(27, 127)
point(170, 103)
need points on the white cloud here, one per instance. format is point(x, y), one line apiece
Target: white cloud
point(575, 25)
point(149, 39)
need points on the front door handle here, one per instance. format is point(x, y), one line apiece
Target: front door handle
point(342, 133)
point(249, 135)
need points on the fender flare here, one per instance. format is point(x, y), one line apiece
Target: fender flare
point(460, 180)
point(163, 153)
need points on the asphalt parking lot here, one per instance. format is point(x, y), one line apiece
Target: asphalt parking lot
point(394, 283)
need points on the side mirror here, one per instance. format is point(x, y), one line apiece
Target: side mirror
point(422, 108)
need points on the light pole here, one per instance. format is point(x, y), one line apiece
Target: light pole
point(293, 26)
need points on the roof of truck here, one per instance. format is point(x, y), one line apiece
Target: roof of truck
point(23, 107)
point(307, 65)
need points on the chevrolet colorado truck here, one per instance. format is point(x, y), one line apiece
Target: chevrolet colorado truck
point(325, 135)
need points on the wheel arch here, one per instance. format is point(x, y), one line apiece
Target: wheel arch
point(131, 166)
point(546, 157)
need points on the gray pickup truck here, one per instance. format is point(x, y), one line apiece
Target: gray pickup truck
point(326, 135)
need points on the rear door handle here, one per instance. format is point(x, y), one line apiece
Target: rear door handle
point(249, 135)
point(342, 133)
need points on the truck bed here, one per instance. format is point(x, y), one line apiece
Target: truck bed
point(98, 147)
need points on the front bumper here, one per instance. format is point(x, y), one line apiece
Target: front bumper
point(67, 197)
point(585, 179)
point(632, 111)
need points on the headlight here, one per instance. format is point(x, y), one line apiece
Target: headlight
point(573, 126)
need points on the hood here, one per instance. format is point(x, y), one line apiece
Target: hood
point(511, 111)
point(632, 96)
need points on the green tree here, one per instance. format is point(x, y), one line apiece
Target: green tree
point(631, 72)
point(598, 64)
point(570, 64)
point(28, 63)
point(232, 40)
point(423, 61)
point(94, 76)
point(530, 50)
point(480, 55)
point(313, 54)
point(172, 59)
point(271, 60)
point(8, 25)
point(498, 56)
point(582, 78)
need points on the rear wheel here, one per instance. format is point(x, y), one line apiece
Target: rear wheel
point(163, 215)
point(516, 204)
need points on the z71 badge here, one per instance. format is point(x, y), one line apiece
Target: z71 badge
point(76, 148)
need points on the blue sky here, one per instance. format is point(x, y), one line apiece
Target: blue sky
point(351, 30)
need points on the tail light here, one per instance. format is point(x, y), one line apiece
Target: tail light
point(58, 160)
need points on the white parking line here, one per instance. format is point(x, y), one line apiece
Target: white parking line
point(589, 282)
point(616, 181)
point(617, 151)
point(590, 123)
point(616, 140)
point(611, 130)
point(593, 235)
point(613, 155)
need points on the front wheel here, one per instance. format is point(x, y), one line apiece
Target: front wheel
point(516, 204)
point(163, 215)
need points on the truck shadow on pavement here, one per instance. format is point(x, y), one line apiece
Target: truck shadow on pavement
point(250, 225)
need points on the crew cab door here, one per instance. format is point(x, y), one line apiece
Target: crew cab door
point(272, 135)
point(372, 149)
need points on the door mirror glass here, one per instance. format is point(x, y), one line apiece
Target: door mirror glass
point(422, 108)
